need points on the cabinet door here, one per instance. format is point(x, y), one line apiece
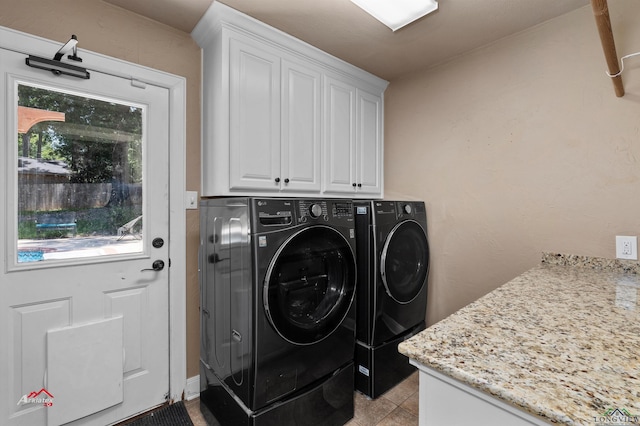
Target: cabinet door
point(339, 136)
point(369, 143)
point(301, 107)
point(254, 116)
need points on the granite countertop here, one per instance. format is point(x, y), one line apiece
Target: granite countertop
point(561, 341)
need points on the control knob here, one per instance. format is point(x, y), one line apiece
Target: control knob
point(407, 208)
point(315, 210)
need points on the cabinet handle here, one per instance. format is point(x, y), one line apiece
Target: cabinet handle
point(359, 185)
point(286, 180)
point(277, 180)
point(354, 184)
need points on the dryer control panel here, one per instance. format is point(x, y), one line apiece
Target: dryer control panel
point(389, 212)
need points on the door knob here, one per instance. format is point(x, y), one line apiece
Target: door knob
point(157, 265)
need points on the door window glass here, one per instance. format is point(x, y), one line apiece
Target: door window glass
point(310, 285)
point(79, 176)
point(405, 261)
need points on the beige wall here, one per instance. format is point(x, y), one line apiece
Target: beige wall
point(518, 148)
point(112, 31)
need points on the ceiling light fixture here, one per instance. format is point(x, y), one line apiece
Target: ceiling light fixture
point(395, 14)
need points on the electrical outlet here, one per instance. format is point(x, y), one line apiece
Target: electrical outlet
point(626, 247)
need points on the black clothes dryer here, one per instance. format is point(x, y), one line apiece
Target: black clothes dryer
point(278, 283)
point(391, 297)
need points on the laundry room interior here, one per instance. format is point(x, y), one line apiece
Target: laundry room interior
point(365, 224)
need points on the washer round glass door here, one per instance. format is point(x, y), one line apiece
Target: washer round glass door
point(310, 284)
point(404, 263)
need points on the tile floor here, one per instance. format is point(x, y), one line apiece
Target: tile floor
point(193, 407)
point(397, 407)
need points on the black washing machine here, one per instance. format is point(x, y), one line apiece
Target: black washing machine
point(391, 300)
point(277, 282)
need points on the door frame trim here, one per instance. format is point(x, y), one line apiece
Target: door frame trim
point(176, 85)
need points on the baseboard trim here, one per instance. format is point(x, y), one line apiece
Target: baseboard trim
point(193, 388)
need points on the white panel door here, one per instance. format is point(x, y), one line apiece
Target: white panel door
point(83, 242)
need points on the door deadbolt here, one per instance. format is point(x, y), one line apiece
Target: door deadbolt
point(157, 242)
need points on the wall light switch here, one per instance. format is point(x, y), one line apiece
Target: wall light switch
point(191, 200)
point(626, 247)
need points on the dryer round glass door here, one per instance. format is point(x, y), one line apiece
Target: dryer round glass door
point(309, 286)
point(404, 263)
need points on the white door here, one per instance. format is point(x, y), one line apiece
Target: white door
point(83, 223)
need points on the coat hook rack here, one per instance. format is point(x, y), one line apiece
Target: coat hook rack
point(56, 66)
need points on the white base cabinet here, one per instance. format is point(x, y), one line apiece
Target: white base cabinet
point(446, 401)
point(281, 117)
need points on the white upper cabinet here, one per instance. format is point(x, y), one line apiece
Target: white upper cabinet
point(353, 140)
point(369, 148)
point(281, 117)
point(254, 117)
point(301, 126)
point(339, 136)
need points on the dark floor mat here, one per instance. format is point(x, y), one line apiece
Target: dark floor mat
point(171, 415)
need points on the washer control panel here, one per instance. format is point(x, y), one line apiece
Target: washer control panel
point(313, 209)
point(274, 213)
point(316, 210)
point(324, 209)
point(342, 209)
